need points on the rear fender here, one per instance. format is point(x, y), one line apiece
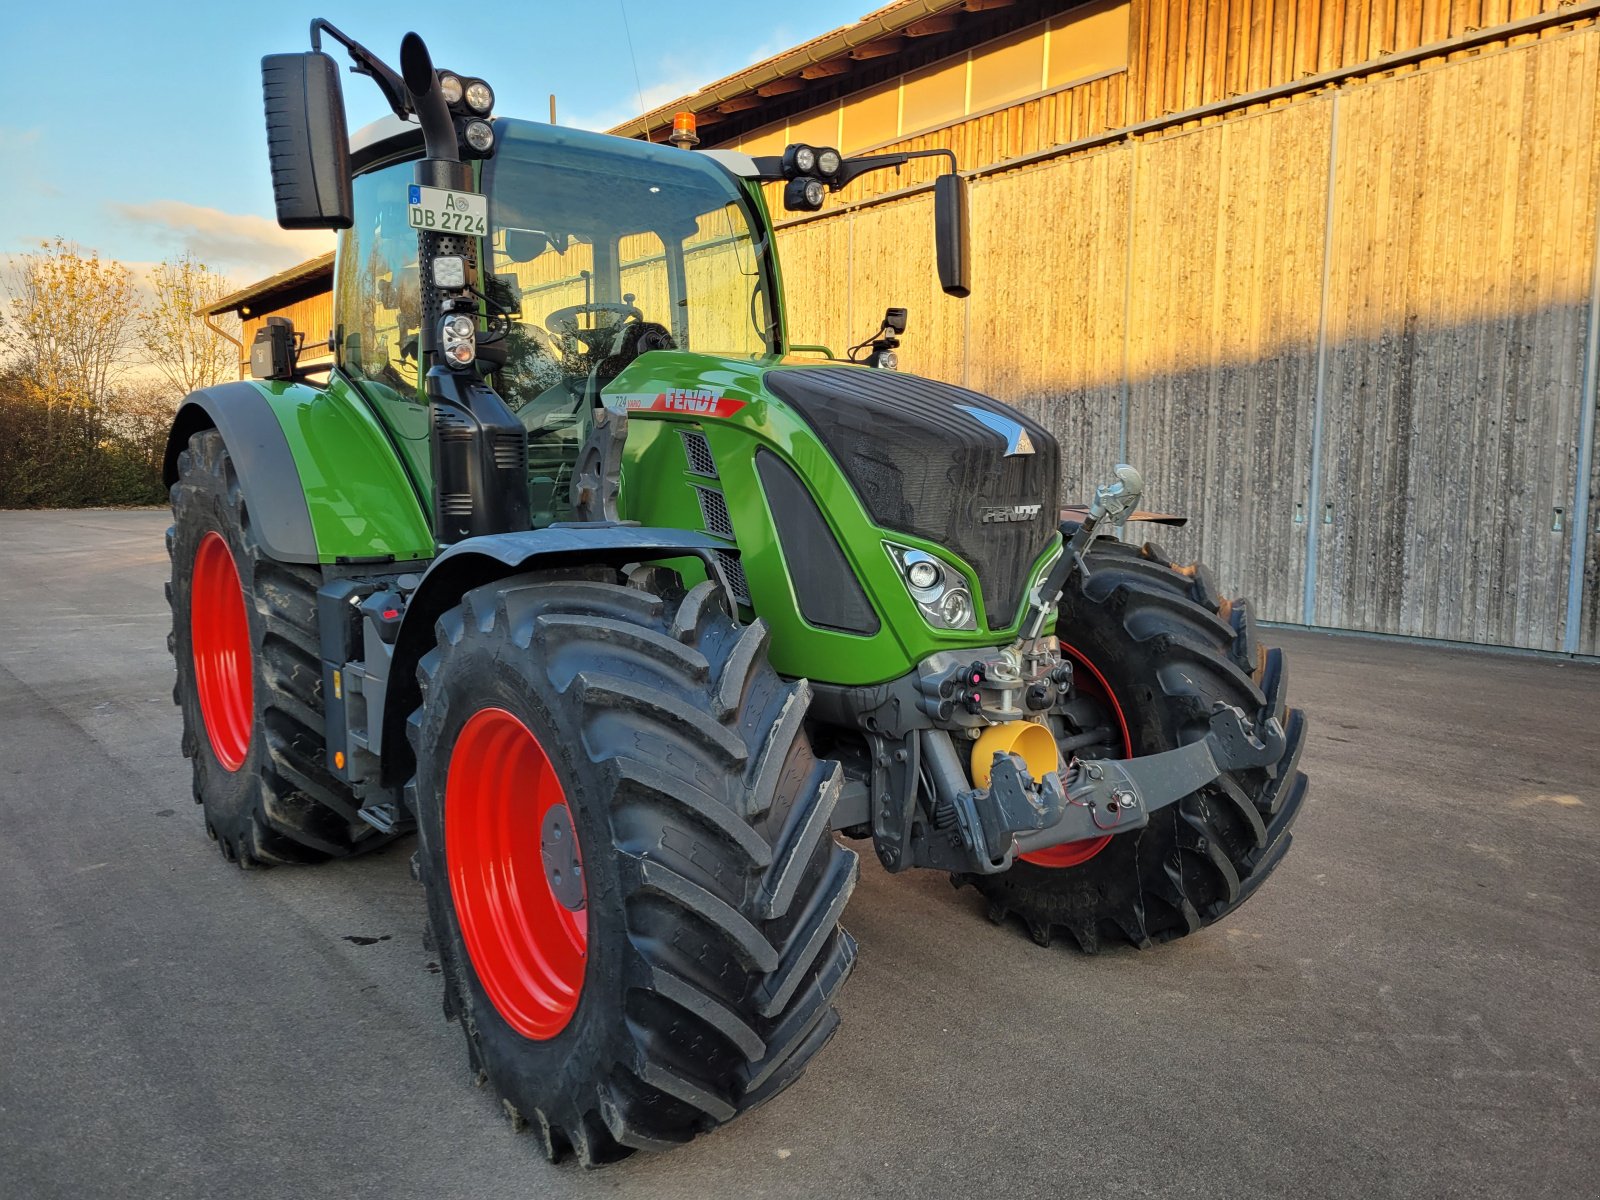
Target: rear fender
point(477, 561)
point(323, 481)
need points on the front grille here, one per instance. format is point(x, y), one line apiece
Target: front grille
point(698, 453)
point(924, 466)
point(714, 512)
point(733, 572)
point(456, 504)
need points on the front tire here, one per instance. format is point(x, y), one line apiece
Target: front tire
point(1154, 647)
point(692, 974)
point(249, 678)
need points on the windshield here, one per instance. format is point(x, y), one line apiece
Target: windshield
point(603, 250)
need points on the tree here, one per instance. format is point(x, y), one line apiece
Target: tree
point(175, 339)
point(69, 325)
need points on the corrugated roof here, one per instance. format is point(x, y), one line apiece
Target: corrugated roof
point(282, 281)
point(884, 22)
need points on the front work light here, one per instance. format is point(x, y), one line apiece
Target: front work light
point(803, 194)
point(450, 272)
point(480, 136)
point(450, 89)
point(480, 97)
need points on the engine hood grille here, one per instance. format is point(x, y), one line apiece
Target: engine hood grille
point(925, 465)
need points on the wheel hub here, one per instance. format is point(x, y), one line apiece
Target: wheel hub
point(516, 873)
point(219, 640)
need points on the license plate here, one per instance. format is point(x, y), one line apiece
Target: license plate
point(443, 211)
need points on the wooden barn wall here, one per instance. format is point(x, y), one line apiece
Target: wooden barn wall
point(1223, 303)
point(1459, 274)
point(1047, 320)
point(1186, 53)
point(1163, 298)
point(1192, 52)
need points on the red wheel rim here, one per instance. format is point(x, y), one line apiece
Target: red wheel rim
point(219, 637)
point(528, 948)
point(1088, 681)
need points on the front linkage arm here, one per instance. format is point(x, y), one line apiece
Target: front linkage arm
point(1098, 796)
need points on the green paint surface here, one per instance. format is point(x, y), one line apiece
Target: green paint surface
point(361, 501)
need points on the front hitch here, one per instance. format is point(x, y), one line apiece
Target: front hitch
point(1017, 814)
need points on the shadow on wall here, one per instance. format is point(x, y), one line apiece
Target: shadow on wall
point(1446, 474)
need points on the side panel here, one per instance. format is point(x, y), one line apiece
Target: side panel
point(323, 479)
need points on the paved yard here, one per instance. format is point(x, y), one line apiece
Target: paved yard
point(1410, 1007)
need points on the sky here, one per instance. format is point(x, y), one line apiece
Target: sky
point(136, 129)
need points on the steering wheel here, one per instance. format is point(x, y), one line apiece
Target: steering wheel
point(569, 315)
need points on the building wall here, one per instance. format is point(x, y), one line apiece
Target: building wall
point(1346, 330)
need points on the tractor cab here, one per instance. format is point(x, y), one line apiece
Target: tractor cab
point(599, 250)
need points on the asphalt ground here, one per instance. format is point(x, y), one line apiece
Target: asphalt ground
point(1408, 1008)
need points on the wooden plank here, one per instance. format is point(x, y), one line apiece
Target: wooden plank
point(1260, 45)
point(1330, 35)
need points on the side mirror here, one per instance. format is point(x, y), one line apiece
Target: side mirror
point(273, 352)
point(950, 234)
point(525, 245)
point(307, 141)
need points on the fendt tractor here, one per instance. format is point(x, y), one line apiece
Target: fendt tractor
point(570, 565)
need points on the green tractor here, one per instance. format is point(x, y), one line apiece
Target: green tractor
point(569, 567)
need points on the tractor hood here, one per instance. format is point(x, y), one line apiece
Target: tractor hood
point(938, 462)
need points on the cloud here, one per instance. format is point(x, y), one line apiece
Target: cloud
point(675, 78)
point(681, 82)
point(243, 246)
point(19, 148)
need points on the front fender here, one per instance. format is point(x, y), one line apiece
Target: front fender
point(477, 561)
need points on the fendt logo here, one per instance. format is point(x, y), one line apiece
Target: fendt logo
point(1007, 513)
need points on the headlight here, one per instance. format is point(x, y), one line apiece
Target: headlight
point(828, 162)
point(480, 136)
point(940, 591)
point(956, 609)
point(450, 86)
point(480, 96)
point(459, 336)
point(805, 160)
point(922, 574)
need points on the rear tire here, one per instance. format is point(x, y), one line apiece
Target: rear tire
point(709, 946)
point(258, 766)
point(1168, 646)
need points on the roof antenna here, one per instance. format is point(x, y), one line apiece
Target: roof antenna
point(628, 33)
